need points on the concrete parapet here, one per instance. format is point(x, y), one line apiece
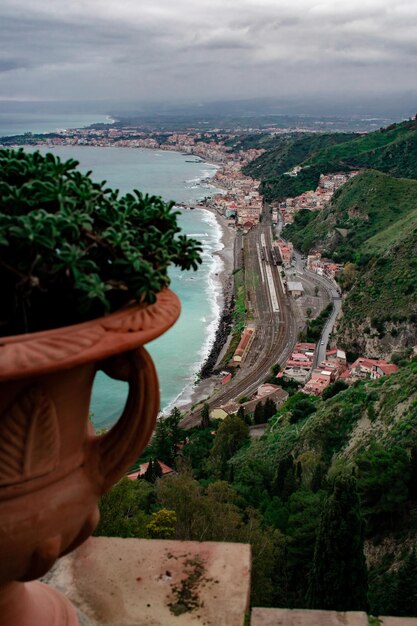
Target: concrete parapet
point(300, 617)
point(138, 582)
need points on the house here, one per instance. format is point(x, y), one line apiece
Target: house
point(300, 362)
point(144, 466)
point(315, 386)
point(285, 251)
point(295, 289)
point(371, 368)
point(337, 356)
point(383, 369)
point(267, 391)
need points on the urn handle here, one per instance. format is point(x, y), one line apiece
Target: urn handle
point(114, 452)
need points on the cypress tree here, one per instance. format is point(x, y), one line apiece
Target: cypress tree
point(205, 416)
point(270, 408)
point(245, 417)
point(157, 470)
point(148, 475)
point(338, 578)
point(405, 602)
point(258, 416)
point(412, 483)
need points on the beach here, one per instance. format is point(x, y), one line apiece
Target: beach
point(205, 387)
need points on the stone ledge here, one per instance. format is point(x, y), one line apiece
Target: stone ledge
point(140, 582)
point(398, 621)
point(300, 617)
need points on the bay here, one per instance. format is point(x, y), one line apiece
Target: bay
point(179, 353)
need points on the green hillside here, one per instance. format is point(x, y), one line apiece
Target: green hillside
point(369, 429)
point(392, 150)
point(380, 309)
point(371, 224)
point(366, 216)
point(338, 473)
point(291, 151)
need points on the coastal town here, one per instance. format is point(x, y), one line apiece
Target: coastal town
point(244, 212)
point(208, 313)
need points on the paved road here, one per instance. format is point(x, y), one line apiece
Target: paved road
point(330, 287)
point(276, 332)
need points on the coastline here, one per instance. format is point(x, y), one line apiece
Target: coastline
point(208, 380)
point(193, 391)
point(226, 254)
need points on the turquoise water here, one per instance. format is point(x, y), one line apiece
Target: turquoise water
point(179, 353)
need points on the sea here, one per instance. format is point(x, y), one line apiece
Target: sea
point(19, 122)
point(179, 353)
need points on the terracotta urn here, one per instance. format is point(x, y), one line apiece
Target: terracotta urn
point(53, 469)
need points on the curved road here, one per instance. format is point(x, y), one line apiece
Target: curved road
point(334, 295)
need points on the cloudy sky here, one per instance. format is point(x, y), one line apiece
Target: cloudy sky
point(206, 49)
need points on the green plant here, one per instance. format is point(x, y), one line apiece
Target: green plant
point(71, 249)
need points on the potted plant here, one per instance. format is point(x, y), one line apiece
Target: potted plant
point(83, 273)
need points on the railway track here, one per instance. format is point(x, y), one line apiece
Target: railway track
point(276, 326)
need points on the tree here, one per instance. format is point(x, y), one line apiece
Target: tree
point(275, 369)
point(232, 435)
point(124, 509)
point(182, 494)
point(162, 524)
point(153, 471)
point(245, 417)
point(383, 476)
point(197, 449)
point(148, 475)
point(301, 406)
point(338, 579)
point(334, 388)
point(285, 480)
point(303, 520)
point(405, 599)
point(205, 416)
point(270, 408)
point(258, 416)
point(168, 435)
point(412, 483)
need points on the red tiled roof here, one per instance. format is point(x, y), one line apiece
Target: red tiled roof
point(144, 466)
point(389, 368)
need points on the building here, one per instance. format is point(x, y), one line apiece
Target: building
point(300, 363)
point(144, 466)
point(295, 289)
point(244, 345)
point(286, 252)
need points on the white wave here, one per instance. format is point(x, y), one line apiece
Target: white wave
point(215, 297)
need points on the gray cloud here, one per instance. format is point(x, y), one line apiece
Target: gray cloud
point(211, 49)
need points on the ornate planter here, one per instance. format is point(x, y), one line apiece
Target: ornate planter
point(53, 468)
